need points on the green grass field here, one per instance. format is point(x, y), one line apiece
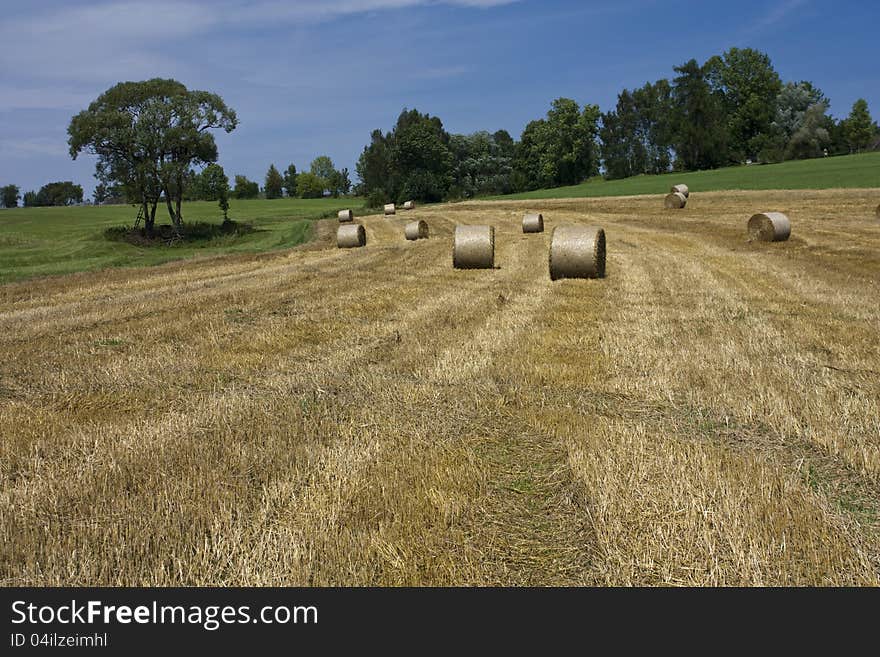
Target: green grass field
point(47, 241)
point(848, 171)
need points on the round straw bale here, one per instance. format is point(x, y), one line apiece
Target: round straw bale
point(681, 189)
point(675, 201)
point(877, 211)
point(474, 247)
point(769, 227)
point(533, 223)
point(416, 230)
point(345, 215)
point(577, 252)
point(409, 205)
point(389, 208)
point(350, 236)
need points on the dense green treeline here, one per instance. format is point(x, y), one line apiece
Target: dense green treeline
point(732, 109)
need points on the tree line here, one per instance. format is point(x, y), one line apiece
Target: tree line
point(322, 177)
point(153, 142)
point(732, 109)
point(54, 193)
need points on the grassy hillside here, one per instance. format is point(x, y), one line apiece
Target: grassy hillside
point(849, 171)
point(40, 241)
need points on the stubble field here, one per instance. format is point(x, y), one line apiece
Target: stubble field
point(706, 414)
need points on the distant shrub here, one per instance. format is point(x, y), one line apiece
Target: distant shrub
point(166, 235)
point(376, 198)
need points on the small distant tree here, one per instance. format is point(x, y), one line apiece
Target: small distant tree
point(215, 185)
point(59, 193)
point(322, 166)
point(859, 128)
point(30, 199)
point(344, 181)
point(308, 185)
point(274, 183)
point(334, 183)
point(290, 180)
point(245, 188)
point(9, 196)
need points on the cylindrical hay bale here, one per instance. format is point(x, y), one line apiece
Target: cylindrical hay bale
point(681, 189)
point(577, 252)
point(416, 230)
point(474, 247)
point(389, 208)
point(349, 236)
point(675, 201)
point(877, 211)
point(346, 215)
point(769, 227)
point(533, 223)
point(409, 205)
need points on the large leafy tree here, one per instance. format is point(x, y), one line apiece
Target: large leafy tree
point(747, 83)
point(697, 119)
point(9, 195)
point(413, 161)
point(801, 127)
point(59, 193)
point(812, 136)
point(859, 129)
point(308, 185)
point(148, 136)
point(623, 151)
point(483, 164)
point(419, 159)
point(372, 165)
point(322, 166)
point(274, 183)
point(561, 149)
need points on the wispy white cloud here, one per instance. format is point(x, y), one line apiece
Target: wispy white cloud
point(129, 40)
point(777, 14)
point(32, 146)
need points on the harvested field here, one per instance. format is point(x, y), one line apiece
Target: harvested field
point(706, 414)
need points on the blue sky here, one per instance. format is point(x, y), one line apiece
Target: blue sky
point(310, 78)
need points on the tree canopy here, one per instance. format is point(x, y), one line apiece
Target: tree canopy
point(274, 184)
point(245, 188)
point(147, 137)
point(9, 195)
point(859, 128)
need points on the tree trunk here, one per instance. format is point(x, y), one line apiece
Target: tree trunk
point(175, 220)
point(177, 203)
point(149, 217)
point(152, 216)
